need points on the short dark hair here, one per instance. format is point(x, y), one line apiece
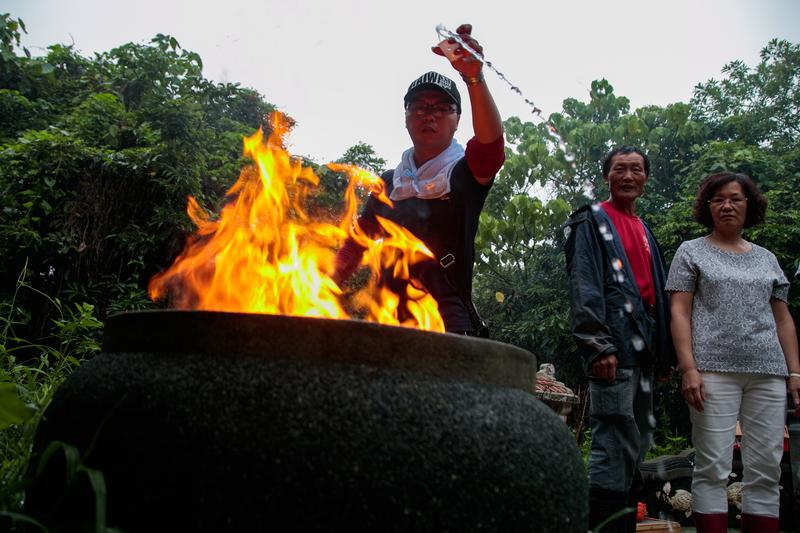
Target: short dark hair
point(756, 202)
point(624, 149)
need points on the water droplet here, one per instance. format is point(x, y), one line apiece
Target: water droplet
point(644, 384)
point(629, 306)
point(637, 342)
point(616, 264)
point(603, 228)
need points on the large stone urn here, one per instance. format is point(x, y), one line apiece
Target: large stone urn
point(207, 421)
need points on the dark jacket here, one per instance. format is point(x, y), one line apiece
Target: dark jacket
point(608, 314)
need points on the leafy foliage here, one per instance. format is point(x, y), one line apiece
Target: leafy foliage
point(30, 373)
point(98, 158)
point(759, 106)
point(520, 273)
point(328, 201)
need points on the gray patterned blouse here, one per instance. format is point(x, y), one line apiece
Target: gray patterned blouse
point(733, 328)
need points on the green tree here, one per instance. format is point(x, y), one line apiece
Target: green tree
point(520, 283)
point(760, 105)
point(97, 158)
point(328, 202)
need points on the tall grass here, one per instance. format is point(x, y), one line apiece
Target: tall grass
point(30, 373)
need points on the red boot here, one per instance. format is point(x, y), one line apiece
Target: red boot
point(753, 523)
point(711, 522)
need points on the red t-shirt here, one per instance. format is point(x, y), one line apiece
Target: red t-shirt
point(637, 249)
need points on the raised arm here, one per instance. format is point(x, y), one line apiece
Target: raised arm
point(486, 122)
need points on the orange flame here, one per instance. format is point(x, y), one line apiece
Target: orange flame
point(263, 254)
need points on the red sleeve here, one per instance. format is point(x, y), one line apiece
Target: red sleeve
point(484, 160)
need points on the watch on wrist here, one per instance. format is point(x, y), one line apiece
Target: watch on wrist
point(473, 80)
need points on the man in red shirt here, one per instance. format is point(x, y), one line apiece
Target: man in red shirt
point(438, 189)
point(620, 321)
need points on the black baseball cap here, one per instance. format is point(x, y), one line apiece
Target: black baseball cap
point(434, 80)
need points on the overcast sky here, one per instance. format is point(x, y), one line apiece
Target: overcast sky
point(341, 68)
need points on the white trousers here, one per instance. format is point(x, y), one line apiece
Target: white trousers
point(759, 403)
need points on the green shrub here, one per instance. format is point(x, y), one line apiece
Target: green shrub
point(30, 373)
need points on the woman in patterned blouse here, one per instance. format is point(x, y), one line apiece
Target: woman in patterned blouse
point(737, 351)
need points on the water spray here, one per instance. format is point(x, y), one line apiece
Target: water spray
point(446, 34)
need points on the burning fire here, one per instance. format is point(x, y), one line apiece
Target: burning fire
point(263, 253)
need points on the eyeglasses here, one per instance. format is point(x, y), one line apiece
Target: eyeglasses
point(437, 110)
point(719, 202)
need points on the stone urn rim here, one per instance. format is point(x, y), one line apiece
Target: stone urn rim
point(321, 341)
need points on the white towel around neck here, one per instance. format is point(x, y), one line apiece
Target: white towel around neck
point(431, 180)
